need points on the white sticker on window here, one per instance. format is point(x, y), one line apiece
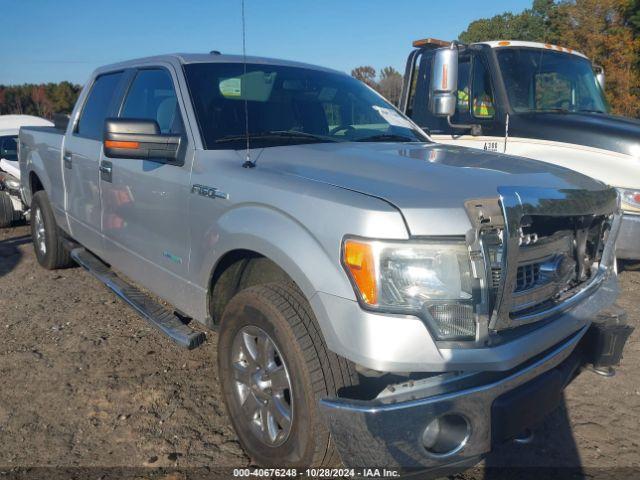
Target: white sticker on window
point(231, 87)
point(392, 117)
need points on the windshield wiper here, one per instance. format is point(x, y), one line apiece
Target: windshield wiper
point(587, 110)
point(276, 134)
point(387, 137)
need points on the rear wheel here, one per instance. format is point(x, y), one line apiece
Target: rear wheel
point(46, 237)
point(7, 214)
point(274, 369)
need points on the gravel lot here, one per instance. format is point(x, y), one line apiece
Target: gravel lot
point(87, 383)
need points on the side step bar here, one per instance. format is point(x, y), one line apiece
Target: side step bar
point(157, 315)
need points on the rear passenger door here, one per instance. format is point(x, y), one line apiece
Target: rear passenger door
point(145, 202)
point(81, 157)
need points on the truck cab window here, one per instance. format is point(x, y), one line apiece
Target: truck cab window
point(153, 97)
point(482, 101)
point(462, 107)
point(96, 108)
point(9, 148)
point(553, 90)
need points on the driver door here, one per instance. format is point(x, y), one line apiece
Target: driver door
point(145, 202)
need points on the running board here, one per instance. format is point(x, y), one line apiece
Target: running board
point(157, 315)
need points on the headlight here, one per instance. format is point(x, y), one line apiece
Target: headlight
point(630, 199)
point(12, 183)
point(429, 279)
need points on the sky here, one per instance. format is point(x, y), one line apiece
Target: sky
point(55, 40)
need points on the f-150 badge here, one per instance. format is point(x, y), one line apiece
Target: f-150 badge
point(209, 192)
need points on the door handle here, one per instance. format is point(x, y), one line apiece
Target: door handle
point(66, 158)
point(106, 169)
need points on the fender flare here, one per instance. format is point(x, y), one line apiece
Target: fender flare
point(285, 241)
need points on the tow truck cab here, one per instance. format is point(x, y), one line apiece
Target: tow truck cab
point(528, 99)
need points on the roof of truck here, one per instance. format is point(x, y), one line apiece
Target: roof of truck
point(520, 43)
point(186, 58)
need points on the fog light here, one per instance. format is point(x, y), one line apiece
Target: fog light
point(454, 321)
point(446, 435)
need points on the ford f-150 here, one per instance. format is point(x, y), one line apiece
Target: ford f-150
point(380, 299)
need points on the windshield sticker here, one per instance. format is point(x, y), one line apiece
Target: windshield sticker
point(231, 87)
point(392, 117)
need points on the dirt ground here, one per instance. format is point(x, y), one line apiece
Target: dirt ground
point(85, 382)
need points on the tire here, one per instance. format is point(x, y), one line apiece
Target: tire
point(46, 237)
point(280, 311)
point(7, 213)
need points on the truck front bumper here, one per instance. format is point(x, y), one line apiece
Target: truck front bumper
point(492, 408)
point(628, 244)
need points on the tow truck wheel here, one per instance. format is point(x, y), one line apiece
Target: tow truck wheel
point(274, 368)
point(47, 241)
point(7, 213)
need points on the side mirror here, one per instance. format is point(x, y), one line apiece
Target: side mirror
point(599, 76)
point(138, 138)
point(444, 82)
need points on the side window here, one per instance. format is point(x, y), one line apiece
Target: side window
point(153, 97)
point(9, 148)
point(462, 107)
point(96, 108)
point(414, 82)
point(482, 101)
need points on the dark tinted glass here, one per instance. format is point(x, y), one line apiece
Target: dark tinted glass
point(482, 102)
point(9, 148)
point(541, 80)
point(96, 108)
point(289, 105)
point(153, 97)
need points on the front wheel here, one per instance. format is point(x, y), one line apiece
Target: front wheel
point(274, 369)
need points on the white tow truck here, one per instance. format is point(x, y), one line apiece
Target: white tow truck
point(533, 100)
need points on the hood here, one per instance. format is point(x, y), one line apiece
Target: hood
point(597, 130)
point(428, 183)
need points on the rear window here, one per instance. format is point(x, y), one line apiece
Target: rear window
point(98, 106)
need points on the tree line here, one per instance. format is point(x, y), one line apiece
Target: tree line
point(606, 31)
point(42, 100)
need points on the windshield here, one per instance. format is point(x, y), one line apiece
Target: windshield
point(9, 148)
point(541, 80)
point(289, 105)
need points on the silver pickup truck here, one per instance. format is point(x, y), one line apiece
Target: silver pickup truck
point(380, 299)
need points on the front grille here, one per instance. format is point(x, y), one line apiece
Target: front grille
point(547, 268)
point(528, 277)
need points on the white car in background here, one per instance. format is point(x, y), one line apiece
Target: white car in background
point(12, 207)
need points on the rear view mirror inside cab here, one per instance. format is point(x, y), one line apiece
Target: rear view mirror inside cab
point(252, 86)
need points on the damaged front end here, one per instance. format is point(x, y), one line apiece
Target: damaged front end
point(542, 258)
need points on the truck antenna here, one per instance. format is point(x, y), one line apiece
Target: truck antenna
point(248, 163)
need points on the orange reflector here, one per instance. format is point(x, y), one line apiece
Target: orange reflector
point(504, 44)
point(546, 45)
point(358, 257)
point(117, 144)
point(445, 76)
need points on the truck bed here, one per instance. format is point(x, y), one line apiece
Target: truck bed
point(40, 150)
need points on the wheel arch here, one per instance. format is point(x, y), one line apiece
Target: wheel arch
point(271, 246)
